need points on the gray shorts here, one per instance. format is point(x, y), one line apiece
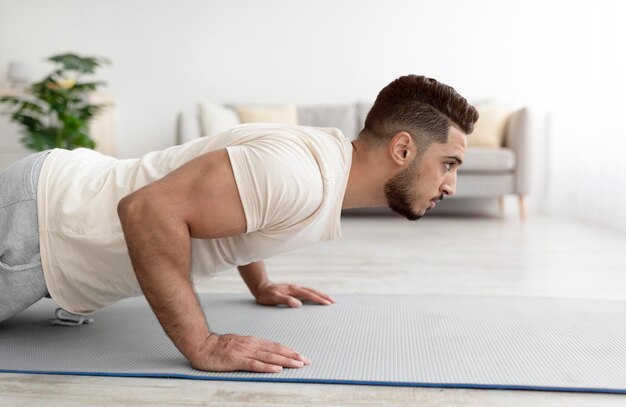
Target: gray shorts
point(21, 277)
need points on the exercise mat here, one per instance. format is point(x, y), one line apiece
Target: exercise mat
point(394, 340)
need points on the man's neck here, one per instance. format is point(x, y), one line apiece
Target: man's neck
point(366, 182)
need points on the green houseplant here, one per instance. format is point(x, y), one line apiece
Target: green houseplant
point(55, 112)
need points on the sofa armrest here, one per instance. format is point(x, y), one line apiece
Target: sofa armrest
point(518, 138)
point(187, 127)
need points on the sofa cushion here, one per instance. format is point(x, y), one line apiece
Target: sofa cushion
point(489, 129)
point(215, 118)
point(286, 114)
point(343, 117)
point(487, 159)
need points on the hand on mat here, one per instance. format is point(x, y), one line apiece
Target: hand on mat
point(227, 353)
point(290, 295)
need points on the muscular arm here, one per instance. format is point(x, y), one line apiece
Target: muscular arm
point(198, 200)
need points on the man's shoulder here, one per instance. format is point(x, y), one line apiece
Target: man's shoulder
point(253, 131)
point(326, 145)
point(288, 173)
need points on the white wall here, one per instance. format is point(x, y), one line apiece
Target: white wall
point(562, 58)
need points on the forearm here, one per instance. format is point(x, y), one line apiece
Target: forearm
point(254, 275)
point(160, 251)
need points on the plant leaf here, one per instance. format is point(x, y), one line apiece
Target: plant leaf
point(74, 62)
point(87, 85)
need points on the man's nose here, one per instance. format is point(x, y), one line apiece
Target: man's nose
point(449, 187)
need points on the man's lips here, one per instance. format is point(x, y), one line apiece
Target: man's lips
point(434, 202)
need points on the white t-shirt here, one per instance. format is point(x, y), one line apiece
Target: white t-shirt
point(291, 181)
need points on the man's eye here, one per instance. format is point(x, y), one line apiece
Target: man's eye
point(448, 166)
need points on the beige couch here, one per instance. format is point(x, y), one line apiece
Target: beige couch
point(488, 172)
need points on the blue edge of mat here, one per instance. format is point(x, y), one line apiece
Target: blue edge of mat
point(321, 381)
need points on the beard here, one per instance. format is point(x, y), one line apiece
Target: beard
point(399, 192)
point(401, 195)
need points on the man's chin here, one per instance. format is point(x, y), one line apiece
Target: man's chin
point(409, 214)
point(414, 216)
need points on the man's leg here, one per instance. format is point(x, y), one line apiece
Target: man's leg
point(21, 277)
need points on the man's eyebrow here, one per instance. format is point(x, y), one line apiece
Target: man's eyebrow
point(455, 158)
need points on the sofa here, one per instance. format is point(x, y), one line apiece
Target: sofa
point(496, 161)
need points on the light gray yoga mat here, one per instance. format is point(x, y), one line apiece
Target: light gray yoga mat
point(434, 341)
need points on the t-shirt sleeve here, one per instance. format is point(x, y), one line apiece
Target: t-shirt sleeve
point(279, 184)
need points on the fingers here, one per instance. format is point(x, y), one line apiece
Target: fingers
point(276, 359)
point(234, 352)
point(291, 295)
point(260, 367)
point(289, 353)
point(321, 294)
point(288, 300)
point(273, 356)
point(310, 294)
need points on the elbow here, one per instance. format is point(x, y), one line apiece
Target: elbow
point(134, 212)
point(140, 209)
point(127, 208)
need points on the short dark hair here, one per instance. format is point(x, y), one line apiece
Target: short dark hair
point(421, 106)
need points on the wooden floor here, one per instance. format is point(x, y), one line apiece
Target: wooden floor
point(545, 257)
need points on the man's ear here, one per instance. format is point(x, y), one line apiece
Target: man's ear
point(402, 148)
